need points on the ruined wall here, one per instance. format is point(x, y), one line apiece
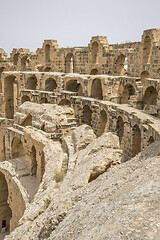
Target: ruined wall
point(4, 124)
point(131, 59)
point(13, 198)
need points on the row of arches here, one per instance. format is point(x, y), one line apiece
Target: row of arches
point(102, 126)
point(50, 84)
point(121, 61)
point(96, 88)
point(150, 96)
point(11, 92)
point(70, 58)
point(71, 85)
point(26, 98)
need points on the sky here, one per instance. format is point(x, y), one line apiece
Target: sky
point(26, 23)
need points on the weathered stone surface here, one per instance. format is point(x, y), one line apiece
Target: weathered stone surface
point(96, 158)
point(44, 116)
point(82, 136)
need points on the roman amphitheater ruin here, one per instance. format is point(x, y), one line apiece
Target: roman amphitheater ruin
point(45, 95)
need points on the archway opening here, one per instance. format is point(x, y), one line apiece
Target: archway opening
point(127, 93)
point(150, 97)
point(96, 89)
point(31, 83)
point(24, 63)
point(9, 96)
point(94, 72)
point(74, 86)
point(65, 102)
point(15, 58)
point(33, 162)
point(5, 210)
point(102, 122)
point(126, 65)
point(25, 98)
point(146, 50)
point(43, 100)
point(17, 148)
point(136, 140)
point(50, 84)
point(47, 52)
point(144, 75)
point(87, 115)
point(120, 63)
point(27, 121)
point(70, 64)
point(120, 129)
point(95, 52)
point(150, 140)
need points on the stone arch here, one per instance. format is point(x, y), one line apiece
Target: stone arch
point(120, 65)
point(50, 84)
point(102, 123)
point(9, 96)
point(17, 148)
point(128, 91)
point(43, 100)
point(95, 52)
point(27, 121)
point(96, 89)
point(136, 140)
point(94, 72)
point(65, 102)
point(87, 115)
point(5, 210)
point(150, 97)
point(31, 83)
point(15, 58)
point(47, 52)
point(33, 161)
point(25, 98)
point(74, 86)
point(150, 140)
point(24, 63)
point(145, 75)
point(120, 129)
point(70, 64)
point(146, 50)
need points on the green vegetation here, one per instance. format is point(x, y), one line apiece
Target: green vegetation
point(78, 100)
point(44, 186)
point(47, 202)
point(59, 175)
point(108, 54)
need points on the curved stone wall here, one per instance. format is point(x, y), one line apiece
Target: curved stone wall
point(17, 198)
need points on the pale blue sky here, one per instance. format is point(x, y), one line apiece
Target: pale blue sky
point(26, 23)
